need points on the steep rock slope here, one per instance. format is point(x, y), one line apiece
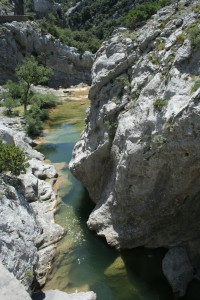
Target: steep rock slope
point(139, 153)
point(27, 228)
point(20, 39)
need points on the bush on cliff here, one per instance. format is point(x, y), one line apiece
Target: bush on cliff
point(194, 36)
point(12, 159)
point(144, 11)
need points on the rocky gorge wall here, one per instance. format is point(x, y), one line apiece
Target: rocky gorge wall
point(139, 153)
point(28, 233)
point(21, 39)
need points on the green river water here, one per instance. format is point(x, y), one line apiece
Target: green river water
point(84, 261)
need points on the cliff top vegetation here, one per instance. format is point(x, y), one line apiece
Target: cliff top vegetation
point(86, 24)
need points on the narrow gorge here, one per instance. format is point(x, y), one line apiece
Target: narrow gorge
point(129, 228)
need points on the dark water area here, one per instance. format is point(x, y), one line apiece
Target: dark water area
point(84, 261)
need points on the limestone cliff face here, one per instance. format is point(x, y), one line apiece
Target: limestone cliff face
point(139, 153)
point(27, 229)
point(20, 39)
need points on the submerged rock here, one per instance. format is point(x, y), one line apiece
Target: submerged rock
point(139, 153)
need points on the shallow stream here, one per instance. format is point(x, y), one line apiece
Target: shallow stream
point(84, 261)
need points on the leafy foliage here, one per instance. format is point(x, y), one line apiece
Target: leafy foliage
point(10, 104)
point(180, 38)
point(94, 22)
point(38, 113)
point(12, 159)
point(144, 11)
point(30, 72)
point(11, 96)
point(15, 89)
point(194, 36)
point(196, 86)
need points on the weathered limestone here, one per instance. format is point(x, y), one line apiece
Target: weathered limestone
point(18, 40)
point(139, 153)
point(10, 287)
point(28, 232)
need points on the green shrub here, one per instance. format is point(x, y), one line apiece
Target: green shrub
point(12, 159)
point(143, 11)
point(196, 86)
point(194, 36)
point(44, 100)
point(160, 46)
point(112, 127)
point(160, 103)
point(15, 90)
point(38, 113)
point(34, 125)
point(196, 8)
point(10, 104)
point(180, 38)
point(11, 96)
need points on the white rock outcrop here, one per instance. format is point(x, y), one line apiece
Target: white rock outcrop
point(139, 153)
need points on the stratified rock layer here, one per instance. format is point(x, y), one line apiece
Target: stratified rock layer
point(139, 153)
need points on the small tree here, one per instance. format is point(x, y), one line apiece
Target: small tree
point(29, 73)
point(12, 159)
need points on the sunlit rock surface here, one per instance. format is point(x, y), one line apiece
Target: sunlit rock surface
point(139, 153)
